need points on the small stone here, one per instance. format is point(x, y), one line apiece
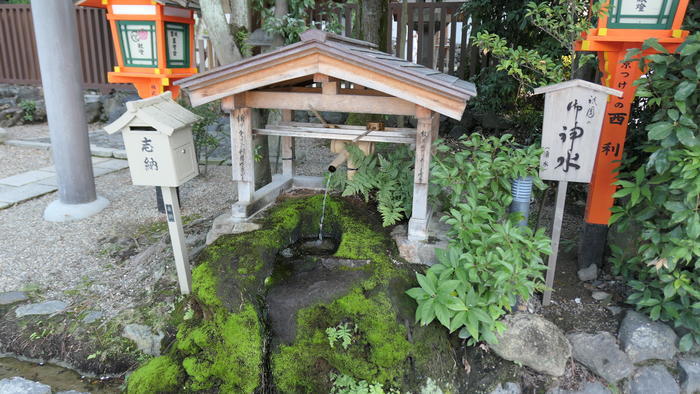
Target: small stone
point(93, 111)
point(600, 295)
point(419, 252)
point(11, 297)
point(654, 379)
point(287, 253)
point(615, 310)
point(600, 353)
point(145, 339)
point(92, 317)
point(588, 274)
point(10, 117)
point(689, 375)
point(18, 385)
point(507, 388)
point(42, 308)
point(577, 300)
point(588, 388)
point(534, 342)
point(643, 339)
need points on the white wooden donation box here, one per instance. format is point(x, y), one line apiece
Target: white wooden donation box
point(158, 139)
point(157, 134)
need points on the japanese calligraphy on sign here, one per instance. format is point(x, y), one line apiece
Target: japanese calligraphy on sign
point(639, 11)
point(158, 141)
point(573, 116)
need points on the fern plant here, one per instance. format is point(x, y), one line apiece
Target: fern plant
point(342, 332)
point(386, 176)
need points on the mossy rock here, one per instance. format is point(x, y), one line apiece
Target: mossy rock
point(159, 375)
point(239, 340)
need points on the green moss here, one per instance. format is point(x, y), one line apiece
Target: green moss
point(204, 284)
point(224, 352)
point(159, 375)
point(222, 348)
point(378, 352)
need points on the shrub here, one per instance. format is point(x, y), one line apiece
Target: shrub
point(662, 195)
point(489, 260)
point(28, 110)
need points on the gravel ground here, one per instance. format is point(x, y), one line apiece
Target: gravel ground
point(71, 261)
point(54, 258)
point(15, 159)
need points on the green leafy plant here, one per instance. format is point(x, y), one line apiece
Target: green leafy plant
point(386, 175)
point(291, 25)
point(344, 384)
point(342, 332)
point(564, 21)
point(205, 142)
point(660, 192)
point(490, 260)
point(28, 110)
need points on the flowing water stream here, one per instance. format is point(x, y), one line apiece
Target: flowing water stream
point(59, 378)
point(323, 209)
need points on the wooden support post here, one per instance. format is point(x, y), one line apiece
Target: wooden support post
point(177, 238)
point(425, 132)
point(242, 162)
point(556, 234)
point(287, 148)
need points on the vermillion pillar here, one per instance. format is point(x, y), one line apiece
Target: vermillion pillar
point(61, 77)
point(625, 25)
point(617, 75)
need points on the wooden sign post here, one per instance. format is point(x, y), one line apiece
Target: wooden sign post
point(159, 145)
point(573, 116)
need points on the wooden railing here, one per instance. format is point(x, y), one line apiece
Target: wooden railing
point(434, 35)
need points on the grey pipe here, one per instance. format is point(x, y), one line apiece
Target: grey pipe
point(521, 189)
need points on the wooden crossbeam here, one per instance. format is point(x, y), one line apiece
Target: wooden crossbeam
point(404, 136)
point(333, 103)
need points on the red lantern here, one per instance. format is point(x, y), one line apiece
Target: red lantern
point(154, 41)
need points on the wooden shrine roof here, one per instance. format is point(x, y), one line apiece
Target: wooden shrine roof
point(346, 59)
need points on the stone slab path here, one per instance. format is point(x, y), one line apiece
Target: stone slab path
point(31, 184)
point(101, 144)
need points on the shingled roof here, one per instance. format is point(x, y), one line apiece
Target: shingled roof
point(160, 112)
point(340, 57)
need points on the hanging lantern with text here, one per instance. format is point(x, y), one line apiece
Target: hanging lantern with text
point(641, 14)
point(153, 40)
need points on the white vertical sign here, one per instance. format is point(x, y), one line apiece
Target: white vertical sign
point(573, 117)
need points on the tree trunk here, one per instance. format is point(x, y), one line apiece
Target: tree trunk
point(373, 21)
point(281, 9)
point(240, 14)
point(225, 47)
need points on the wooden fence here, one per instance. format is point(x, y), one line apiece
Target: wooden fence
point(434, 35)
point(19, 63)
point(434, 40)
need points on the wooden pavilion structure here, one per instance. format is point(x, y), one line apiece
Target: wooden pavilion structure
point(327, 72)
